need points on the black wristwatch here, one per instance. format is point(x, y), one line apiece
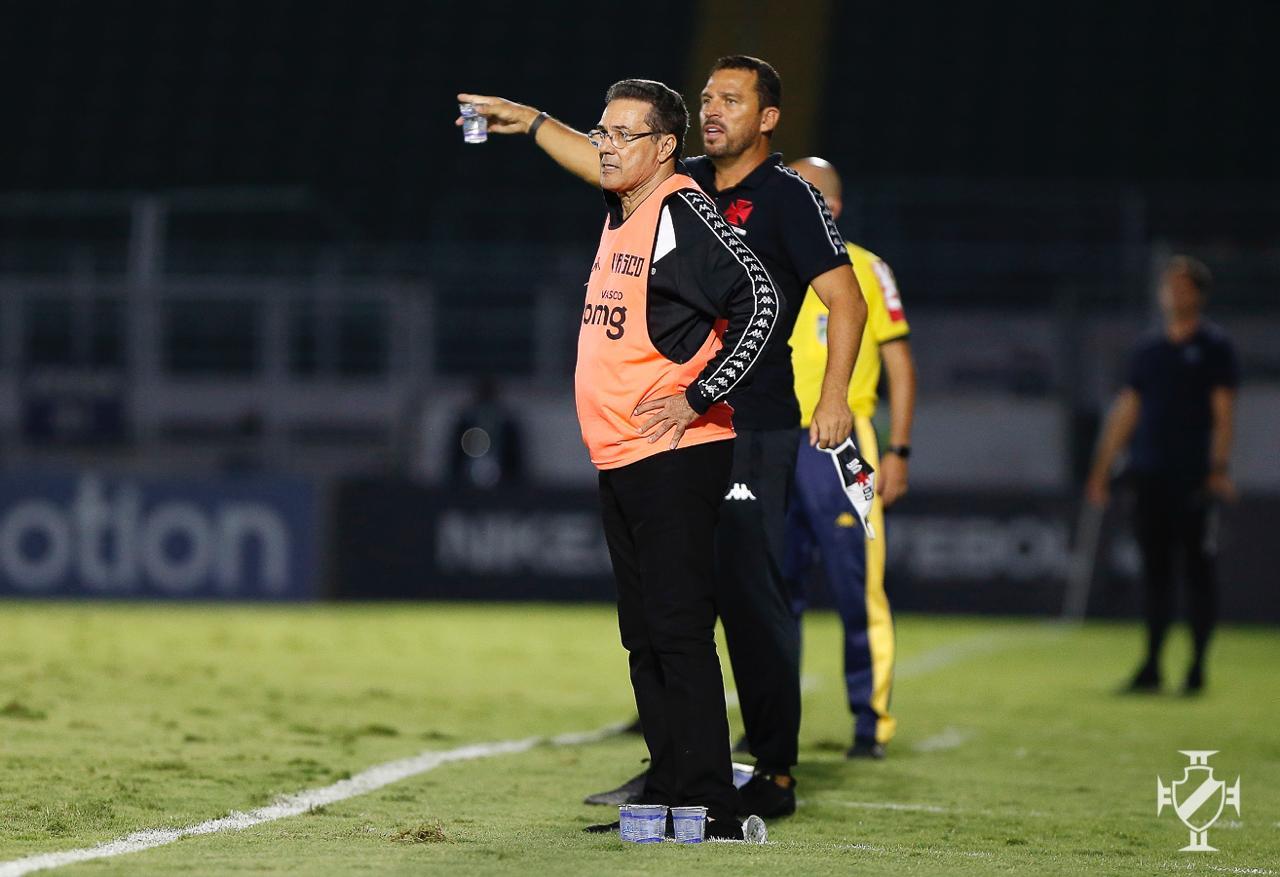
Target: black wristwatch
point(903, 451)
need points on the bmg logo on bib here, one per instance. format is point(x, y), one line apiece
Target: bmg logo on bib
point(604, 315)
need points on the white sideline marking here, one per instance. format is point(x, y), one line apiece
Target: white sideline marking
point(933, 851)
point(824, 801)
point(935, 659)
point(366, 781)
point(891, 805)
point(948, 738)
point(968, 647)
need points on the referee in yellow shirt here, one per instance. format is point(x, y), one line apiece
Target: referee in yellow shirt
point(819, 517)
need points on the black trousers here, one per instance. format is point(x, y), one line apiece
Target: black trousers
point(753, 598)
point(1176, 527)
point(659, 521)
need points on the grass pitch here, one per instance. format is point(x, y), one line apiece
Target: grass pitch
point(1013, 753)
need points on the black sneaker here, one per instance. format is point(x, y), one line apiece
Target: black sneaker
point(764, 797)
point(1194, 683)
point(864, 748)
point(1145, 681)
point(627, 793)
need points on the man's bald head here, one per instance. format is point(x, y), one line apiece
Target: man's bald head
point(822, 174)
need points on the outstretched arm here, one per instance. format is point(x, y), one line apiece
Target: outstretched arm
point(568, 147)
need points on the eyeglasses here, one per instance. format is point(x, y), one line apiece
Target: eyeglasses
point(620, 140)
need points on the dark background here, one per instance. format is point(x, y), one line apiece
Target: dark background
point(245, 238)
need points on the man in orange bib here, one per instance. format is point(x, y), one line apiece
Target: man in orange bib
point(676, 315)
point(786, 223)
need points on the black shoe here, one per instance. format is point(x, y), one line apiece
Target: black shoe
point(627, 793)
point(863, 748)
point(751, 830)
point(1145, 681)
point(764, 797)
point(742, 747)
point(1194, 683)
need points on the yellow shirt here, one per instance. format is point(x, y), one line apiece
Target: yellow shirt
point(885, 322)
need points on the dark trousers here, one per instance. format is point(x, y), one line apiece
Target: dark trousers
point(1176, 527)
point(821, 520)
point(659, 521)
point(753, 598)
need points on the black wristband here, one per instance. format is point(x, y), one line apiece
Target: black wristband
point(536, 124)
point(903, 451)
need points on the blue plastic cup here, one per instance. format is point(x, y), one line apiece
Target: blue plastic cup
point(642, 823)
point(690, 824)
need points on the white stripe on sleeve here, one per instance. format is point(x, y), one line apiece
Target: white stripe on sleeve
point(764, 315)
point(833, 231)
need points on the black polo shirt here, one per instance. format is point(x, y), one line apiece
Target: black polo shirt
point(785, 222)
point(1175, 383)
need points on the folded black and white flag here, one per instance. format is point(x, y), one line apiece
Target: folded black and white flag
point(858, 479)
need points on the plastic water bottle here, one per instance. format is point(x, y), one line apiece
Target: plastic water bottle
point(475, 127)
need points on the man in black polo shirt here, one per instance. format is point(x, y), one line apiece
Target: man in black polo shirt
point(785, 222)
point(1175, 414)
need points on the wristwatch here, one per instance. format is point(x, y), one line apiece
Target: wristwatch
point(903, 451)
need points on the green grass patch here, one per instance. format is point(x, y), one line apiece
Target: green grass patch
point(17, 710)
point(1014, 753)
point(424, 833)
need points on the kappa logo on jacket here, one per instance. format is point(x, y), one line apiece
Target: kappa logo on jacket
point(739, 491)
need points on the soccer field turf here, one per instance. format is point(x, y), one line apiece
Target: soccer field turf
point(1013, 752)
